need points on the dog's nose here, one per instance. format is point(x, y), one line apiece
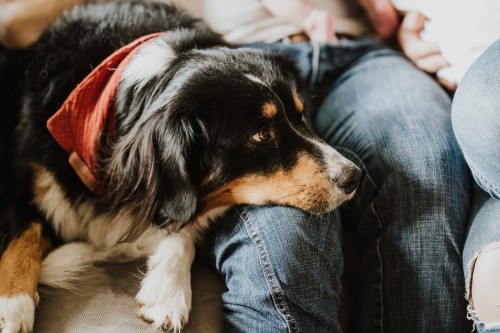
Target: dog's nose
point(348, 179)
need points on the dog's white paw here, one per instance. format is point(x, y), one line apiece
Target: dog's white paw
point(167, 308)
point(17, 314)
point(165, 295)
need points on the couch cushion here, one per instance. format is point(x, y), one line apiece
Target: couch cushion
point(104, 302)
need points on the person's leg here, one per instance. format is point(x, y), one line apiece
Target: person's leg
point(481, 258)
point(411, 211)
point(476, 122)
point(476, 119)
point(282, 268)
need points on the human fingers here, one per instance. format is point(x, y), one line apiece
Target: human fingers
point(447, 84)
point(431, 63)
point(409, 37)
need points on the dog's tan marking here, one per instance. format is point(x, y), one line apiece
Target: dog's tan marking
point(298, 103)
point(20, 264)
point(208, 179)
point(306, 186)
point(269, 110)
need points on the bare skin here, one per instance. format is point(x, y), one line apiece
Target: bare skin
point(425, 55)
point(383, 16)
point(485, 289)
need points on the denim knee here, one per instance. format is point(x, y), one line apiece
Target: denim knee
point(282, 268)
point(412, 206)
point(476, 121)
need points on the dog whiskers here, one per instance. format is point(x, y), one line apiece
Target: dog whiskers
point(291, 194)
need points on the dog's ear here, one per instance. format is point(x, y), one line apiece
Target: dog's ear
point(148, 173)
point(176, 194)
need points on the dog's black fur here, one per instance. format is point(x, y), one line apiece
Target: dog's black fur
point(193, 129)
point(215, 98)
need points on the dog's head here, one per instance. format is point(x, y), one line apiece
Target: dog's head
point(200, 129)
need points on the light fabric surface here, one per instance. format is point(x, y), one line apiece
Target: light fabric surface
point(249, 21)
point(104, 303)
point(463, 29)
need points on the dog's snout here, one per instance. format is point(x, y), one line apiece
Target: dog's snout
point(348, 179)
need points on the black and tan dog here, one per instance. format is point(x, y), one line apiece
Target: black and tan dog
point(131, 121)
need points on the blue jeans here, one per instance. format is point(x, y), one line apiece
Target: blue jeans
point(283, 268)
point(476, 122)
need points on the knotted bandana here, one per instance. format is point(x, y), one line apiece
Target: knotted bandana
point(86, 119)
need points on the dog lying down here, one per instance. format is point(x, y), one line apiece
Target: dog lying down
point(135, 127)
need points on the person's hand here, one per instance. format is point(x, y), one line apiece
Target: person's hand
point(425, 55)
point(383, 16)
point(318, 25)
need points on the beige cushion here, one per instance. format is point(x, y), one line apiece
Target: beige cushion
point(105, 303)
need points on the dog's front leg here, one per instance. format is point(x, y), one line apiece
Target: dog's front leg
point(165, 295)
point(19, 272)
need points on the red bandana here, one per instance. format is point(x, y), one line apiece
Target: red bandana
point(87, 115)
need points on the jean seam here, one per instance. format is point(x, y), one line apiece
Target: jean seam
point(272, 282)
point(362, 165)
point(315, 63)
point(485, 180)
point(379, 254)
point(479, 175)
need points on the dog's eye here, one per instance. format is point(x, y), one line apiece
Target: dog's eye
point(263, 135)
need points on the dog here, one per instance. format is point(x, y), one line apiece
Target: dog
point(131, 126)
